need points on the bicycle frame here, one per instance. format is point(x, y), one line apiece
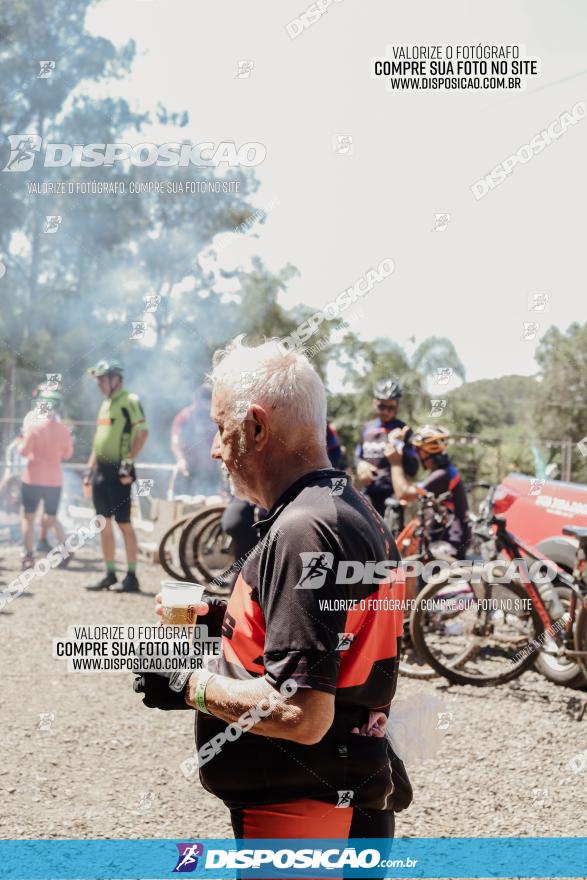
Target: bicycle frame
point(414, 540)
point(513, 548)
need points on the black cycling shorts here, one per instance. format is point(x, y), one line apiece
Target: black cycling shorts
point(110, 496)
point(32, 495)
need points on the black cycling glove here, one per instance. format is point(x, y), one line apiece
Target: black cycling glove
point(163, 690)
point(127, 469)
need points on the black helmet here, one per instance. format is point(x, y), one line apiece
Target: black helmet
point(387, 389)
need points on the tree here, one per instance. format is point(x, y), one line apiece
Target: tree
point(560, 407)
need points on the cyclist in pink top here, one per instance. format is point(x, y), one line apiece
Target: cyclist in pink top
point(46, 443)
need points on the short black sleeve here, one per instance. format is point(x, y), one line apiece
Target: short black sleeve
point(302, 604)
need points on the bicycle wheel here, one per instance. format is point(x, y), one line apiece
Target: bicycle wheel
point(411, 665)
point(581, 636)
point(168, 551)
point(189, 555)
point(213, 555)
point(480, 633)
point(560, 670)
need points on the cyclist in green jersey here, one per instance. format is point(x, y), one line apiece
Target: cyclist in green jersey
point(121, 433)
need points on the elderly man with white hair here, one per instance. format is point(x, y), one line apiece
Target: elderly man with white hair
point(290, 726)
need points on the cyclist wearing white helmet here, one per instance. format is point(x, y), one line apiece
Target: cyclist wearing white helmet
point(45, 443)
point(431, 443)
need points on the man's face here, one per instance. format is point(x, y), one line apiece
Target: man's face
point(232, 441)
point(386, 409)
point(109, 383)
point(426, 460)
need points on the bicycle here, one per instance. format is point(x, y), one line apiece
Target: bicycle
point(416, 544)
point(205, 551)
point(167, 552)
point(481, 628)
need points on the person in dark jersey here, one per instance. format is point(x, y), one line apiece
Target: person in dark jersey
point(372, 467)
point(431, 443)
point(311, 631)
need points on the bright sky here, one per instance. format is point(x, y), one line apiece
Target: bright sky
point(415, 154)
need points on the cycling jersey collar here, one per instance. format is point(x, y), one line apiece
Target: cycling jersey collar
point(391, 423)
point(295, 489)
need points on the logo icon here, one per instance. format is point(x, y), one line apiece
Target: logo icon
point(241, 408)
point(187, 860)
point(152, 302)
point(444, 719)
point(578, 762)
point(338, 485)
point(344, 641)
point(530, 330)
point(53, 382)
point(315, 568)
point(437, 408)
point(441, 222)
point(248, 379)
point(344, 798)
point(22, 151)
point(538, 302)
point(536, 486)
point(244, 69)
point(443, 375)
point(46, 720)
point(138, 330)
point(42, 409)
point(144, 486)
point(46, 68)
point(52, 224)
point(539, 797)
point(342, 144)
point(144, 804)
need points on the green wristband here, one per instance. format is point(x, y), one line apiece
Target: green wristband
point(200, 695)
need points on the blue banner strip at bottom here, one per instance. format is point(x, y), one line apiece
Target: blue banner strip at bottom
point(502, 857)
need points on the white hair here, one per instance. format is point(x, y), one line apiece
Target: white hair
point(263, 374)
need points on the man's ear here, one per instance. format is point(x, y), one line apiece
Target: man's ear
point(261, 427)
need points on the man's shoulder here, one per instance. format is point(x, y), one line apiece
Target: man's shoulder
point(322, 507)
point(129, 396)
point(60, 428)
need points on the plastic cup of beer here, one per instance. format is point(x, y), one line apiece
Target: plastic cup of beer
point(179, 601)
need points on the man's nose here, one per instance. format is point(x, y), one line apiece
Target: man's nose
point(215, 448)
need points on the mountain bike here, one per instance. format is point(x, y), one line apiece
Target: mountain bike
point(205, 551)
point(486, 624)
point(417, 545)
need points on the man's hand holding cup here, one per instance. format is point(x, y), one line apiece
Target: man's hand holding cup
point(178, 604)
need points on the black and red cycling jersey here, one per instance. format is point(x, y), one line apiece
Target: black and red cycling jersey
point(308, 606)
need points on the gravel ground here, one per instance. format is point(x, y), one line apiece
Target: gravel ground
point(109, 768)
